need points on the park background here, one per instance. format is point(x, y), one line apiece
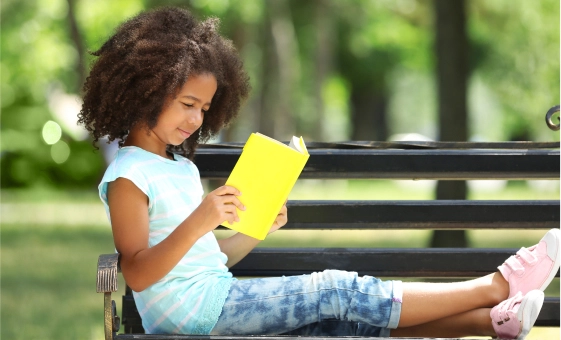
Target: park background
point(324, 69)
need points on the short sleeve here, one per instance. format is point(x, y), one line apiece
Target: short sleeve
point(123, 168)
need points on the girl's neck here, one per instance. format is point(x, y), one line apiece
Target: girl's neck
point(148, 142)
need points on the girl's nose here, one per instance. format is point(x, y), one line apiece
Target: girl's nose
point(197, 118)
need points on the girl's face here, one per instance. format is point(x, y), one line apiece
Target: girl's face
point(184, 114)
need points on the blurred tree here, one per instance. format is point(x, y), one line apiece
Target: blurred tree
point(315, 67)
point(280, 73)
point(42, 70)
point(376, 37)
point(323, 52)
point(78, 41)
point(518, 56)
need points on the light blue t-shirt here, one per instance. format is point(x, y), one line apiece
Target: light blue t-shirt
point(189, 299)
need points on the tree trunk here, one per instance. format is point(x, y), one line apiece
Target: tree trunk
point(323, 63)
point(368, 114)
point(79, 45)
point(269, 83)
point(240, 39)
point(281, 67)
point(452, 74)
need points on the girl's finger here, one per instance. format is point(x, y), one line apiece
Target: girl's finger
point(232, 217)
point(233, 200)
point(238, 203)
point(227, 190)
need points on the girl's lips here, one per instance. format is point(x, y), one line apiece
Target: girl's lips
point(184, 133)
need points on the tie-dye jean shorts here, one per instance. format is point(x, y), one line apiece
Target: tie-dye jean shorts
point(330, 303)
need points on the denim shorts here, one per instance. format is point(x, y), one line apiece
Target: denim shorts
point(332, 302)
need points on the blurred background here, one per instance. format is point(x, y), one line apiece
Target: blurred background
point(478, 70)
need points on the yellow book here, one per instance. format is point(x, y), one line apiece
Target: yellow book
point(265, 174)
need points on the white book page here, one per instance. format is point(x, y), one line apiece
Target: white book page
point(295, 144)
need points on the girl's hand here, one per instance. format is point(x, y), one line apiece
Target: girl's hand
point(281, 219)
point(219, 206)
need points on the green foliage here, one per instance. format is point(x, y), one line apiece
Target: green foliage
point(383, 47)
point(519, 50)
point(38, 59)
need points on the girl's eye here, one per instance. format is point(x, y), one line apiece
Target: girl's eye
point(188, 105)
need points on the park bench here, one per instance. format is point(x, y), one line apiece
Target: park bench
point(382, 160)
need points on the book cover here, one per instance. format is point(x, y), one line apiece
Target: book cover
point(265, 174)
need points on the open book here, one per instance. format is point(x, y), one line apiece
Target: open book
point(265, 174)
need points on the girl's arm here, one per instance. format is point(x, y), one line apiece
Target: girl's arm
point(141, 265)
point(239, 245)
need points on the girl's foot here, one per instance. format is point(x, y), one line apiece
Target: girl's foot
point(513, 318)
point(534, 267)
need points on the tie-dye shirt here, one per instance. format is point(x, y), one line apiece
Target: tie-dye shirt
point(189, 299)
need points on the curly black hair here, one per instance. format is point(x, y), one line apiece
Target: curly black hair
point(147, 61)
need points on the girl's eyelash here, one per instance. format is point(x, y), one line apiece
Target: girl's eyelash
point(191, 105)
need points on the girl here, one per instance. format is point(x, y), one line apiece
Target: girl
point(162, 84)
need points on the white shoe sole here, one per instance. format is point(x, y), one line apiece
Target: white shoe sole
point(553, 240)
point(528, 312)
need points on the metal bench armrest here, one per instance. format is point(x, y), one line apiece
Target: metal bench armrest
point(107, 269)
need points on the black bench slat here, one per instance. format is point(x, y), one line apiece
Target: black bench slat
point(250, 337)
point(548, 317)
point(549, 314)
point(441, 214)
point(405, 145)
point(404, 164)
point(386, 262)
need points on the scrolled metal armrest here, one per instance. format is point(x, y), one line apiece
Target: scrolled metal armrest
point(107, 269)
point(549, 116)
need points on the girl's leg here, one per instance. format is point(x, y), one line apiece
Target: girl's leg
point(511, 319)
point(472, 323)
point(425, 302)
point(282, 304)
point(530, 269)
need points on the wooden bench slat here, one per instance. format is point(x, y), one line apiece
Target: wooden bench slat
point(387, 262)
point(404, 164)
point(441, 214)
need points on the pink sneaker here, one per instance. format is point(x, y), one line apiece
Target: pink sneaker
point(513, 318)
point(534, 267)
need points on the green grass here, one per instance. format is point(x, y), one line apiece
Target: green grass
point(49, 251)
point(48, 282)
